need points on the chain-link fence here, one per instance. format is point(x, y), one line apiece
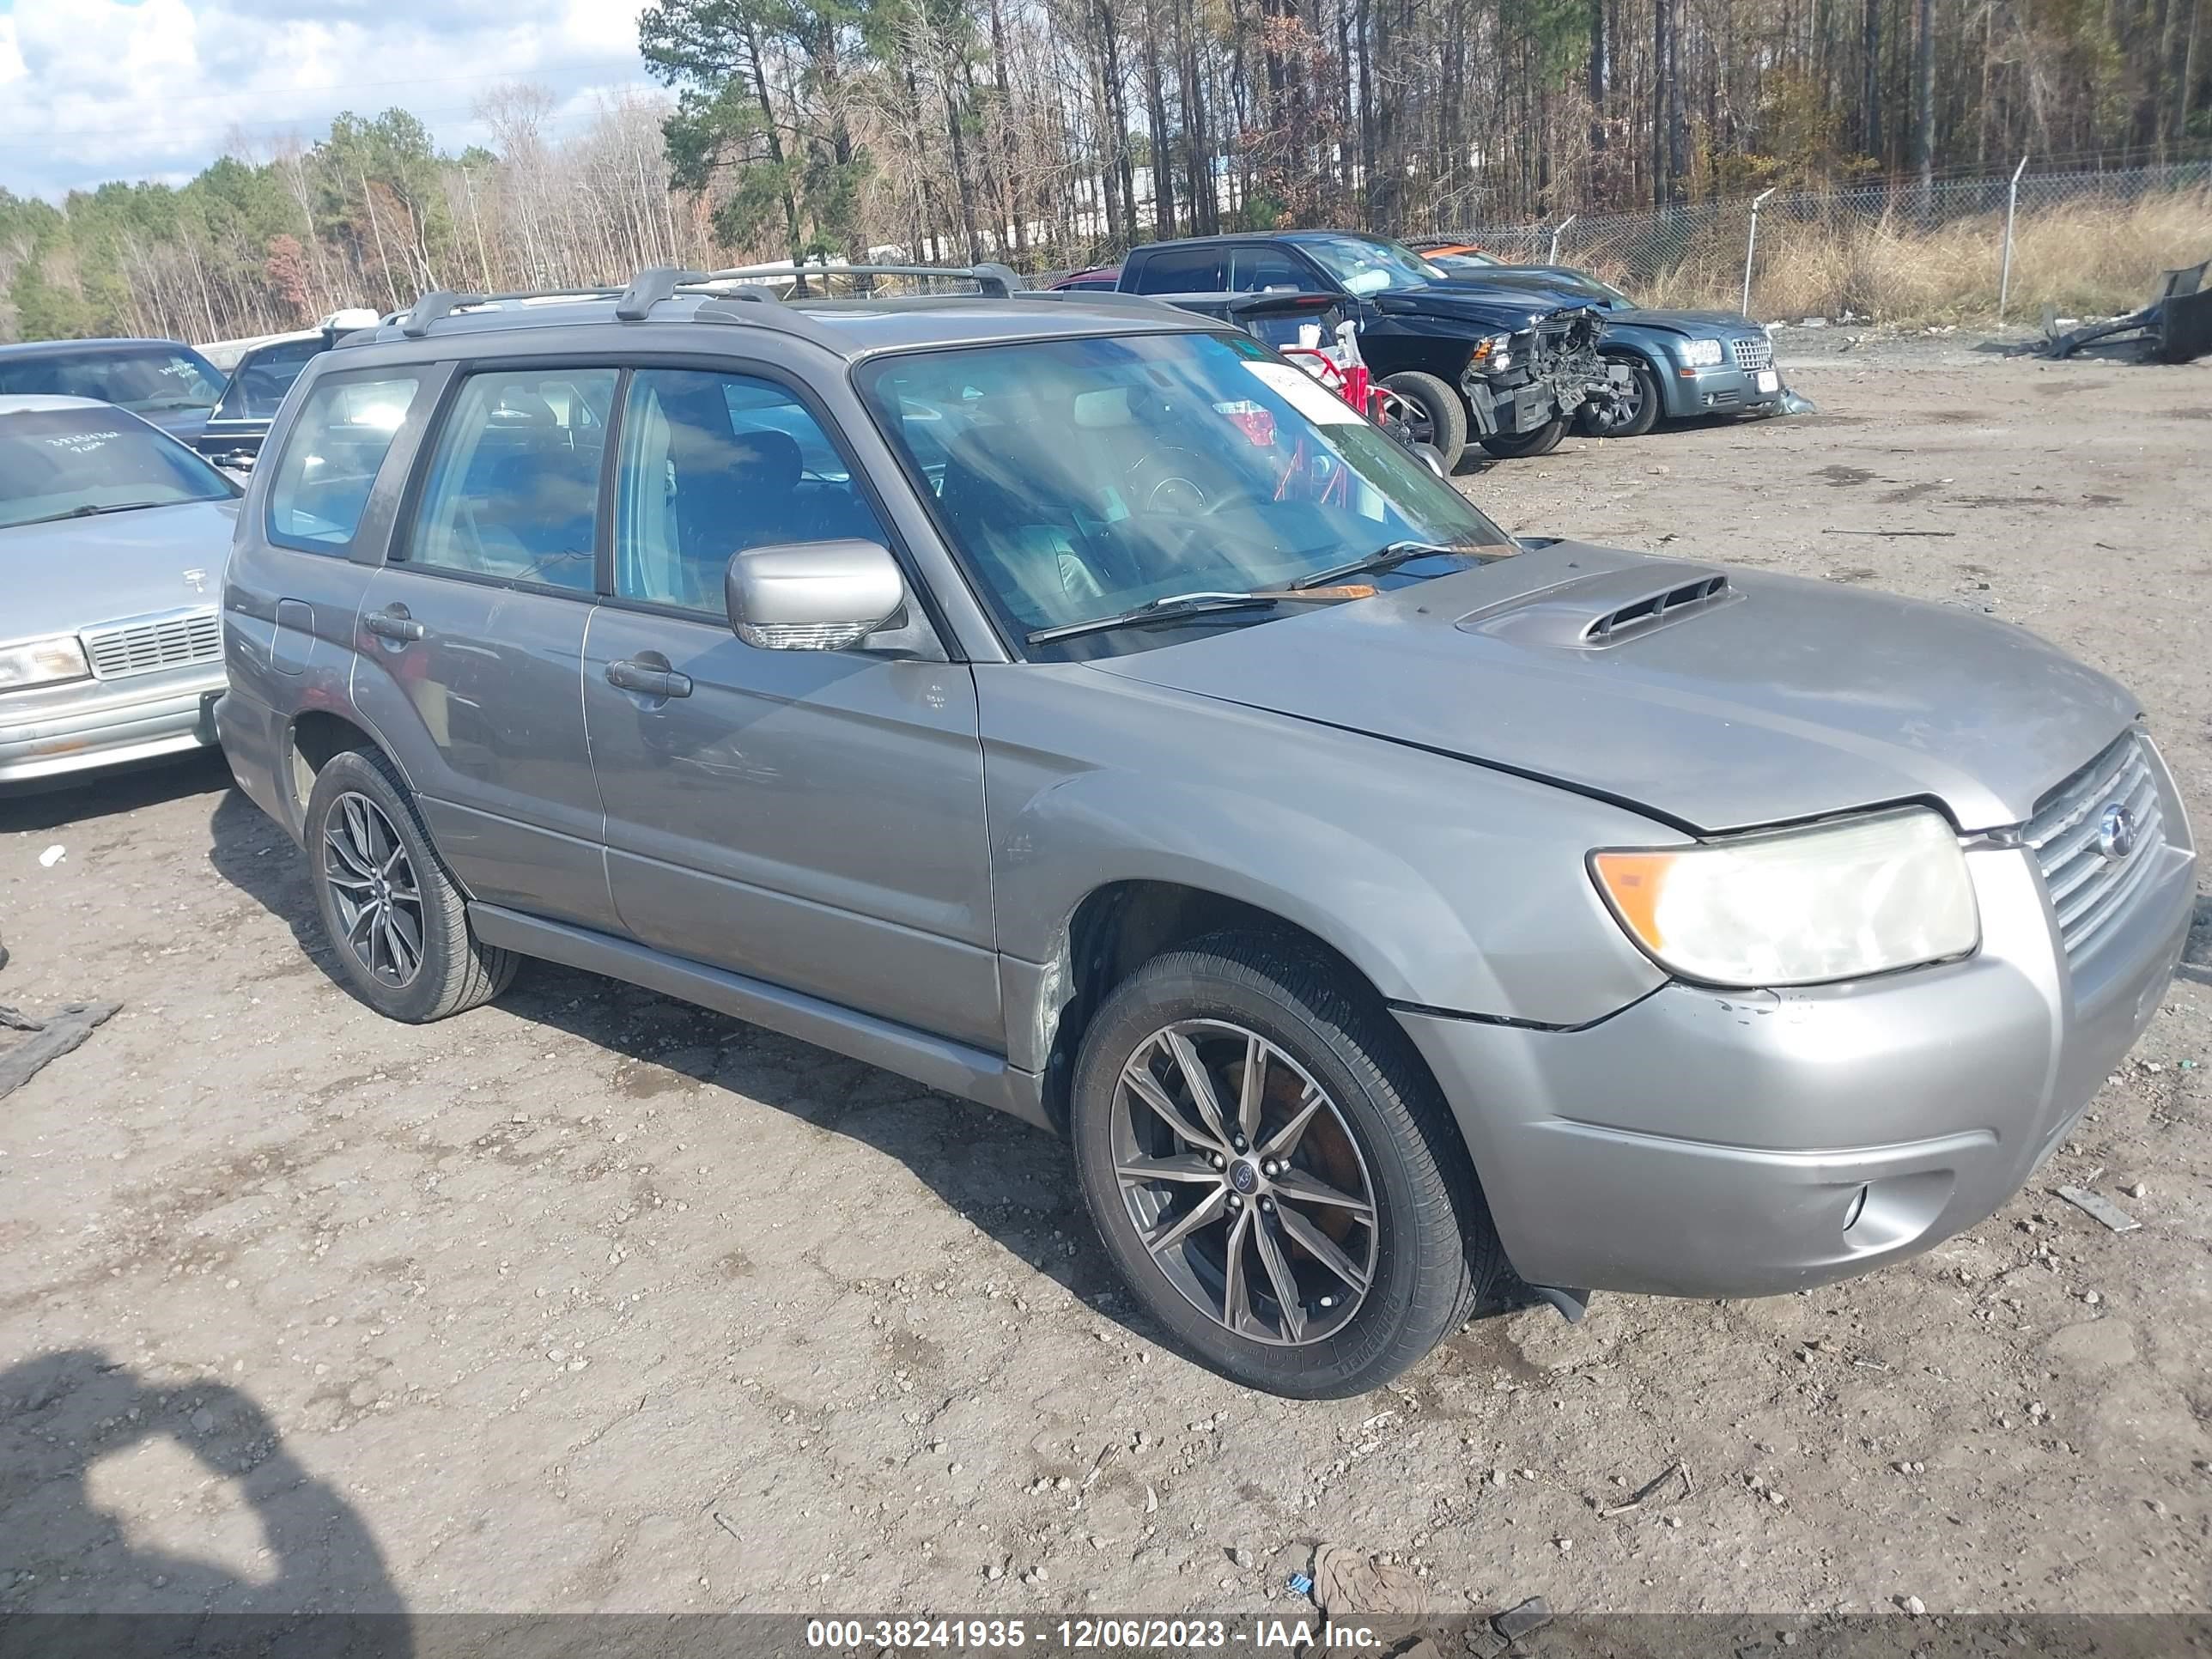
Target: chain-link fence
point(2088, 243)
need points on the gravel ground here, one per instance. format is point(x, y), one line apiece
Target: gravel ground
point(590, 1300)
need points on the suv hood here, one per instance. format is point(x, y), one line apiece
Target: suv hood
point(1718, 700)
point(74, 574)
point(1471, 301)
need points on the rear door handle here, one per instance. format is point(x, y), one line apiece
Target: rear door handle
point(645, 677)
point(392, 622)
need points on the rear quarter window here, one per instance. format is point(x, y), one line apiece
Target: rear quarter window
point(332, 457)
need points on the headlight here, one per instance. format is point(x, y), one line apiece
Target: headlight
point(1494, 351)
point(1799, 906)
point(41, 662)
point(1702, 354)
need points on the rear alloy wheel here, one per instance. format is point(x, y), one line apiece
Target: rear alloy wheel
point(374, 889)
point(1431, 413)
point(396, 923)
point(1537, 441)
point(1273, 1171)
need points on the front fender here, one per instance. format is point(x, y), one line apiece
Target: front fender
point(1676, 398)
point(1448, 884)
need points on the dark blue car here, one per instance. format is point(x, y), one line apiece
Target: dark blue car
point(158, 381)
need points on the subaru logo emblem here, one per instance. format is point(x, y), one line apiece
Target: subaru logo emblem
point(1243, 1177)
point(2115, 832)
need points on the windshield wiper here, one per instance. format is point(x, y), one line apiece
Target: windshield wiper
point(1185, 604)
point(1383, 558)
point(90, 509)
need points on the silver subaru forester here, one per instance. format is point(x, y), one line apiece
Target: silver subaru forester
point(1066, 702)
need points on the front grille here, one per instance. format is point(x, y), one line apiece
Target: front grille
point(2088, 891)
point(123, 649)
point(1754, 353)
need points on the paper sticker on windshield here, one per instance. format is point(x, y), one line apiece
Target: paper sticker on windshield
point(1305, 394)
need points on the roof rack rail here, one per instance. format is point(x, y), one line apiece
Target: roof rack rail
point(415, 321)
point(657, 282)
point(995, 280)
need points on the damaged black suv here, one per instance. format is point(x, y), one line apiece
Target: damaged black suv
point(1508, 369)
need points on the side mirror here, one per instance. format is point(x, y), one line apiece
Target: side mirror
point(1432, 458)
point(812, 596)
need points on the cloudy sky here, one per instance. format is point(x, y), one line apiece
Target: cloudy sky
point(97, 89)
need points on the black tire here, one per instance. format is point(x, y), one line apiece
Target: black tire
point(1538, 441)
point(1440, 407)
point(453, 970)
point(1646, 395)
point(1431, 1248)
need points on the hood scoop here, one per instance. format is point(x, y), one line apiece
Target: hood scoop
point(1606, 608)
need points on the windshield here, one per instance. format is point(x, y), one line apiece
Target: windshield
point(60, 463)
point(1367, 265)
point(143, 380)
point(257, 386)
point(1083, 478)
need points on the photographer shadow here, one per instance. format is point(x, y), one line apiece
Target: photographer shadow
point(72, 1580)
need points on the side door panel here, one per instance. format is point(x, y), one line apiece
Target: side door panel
point(469, 646)
point(811, 819)
point(482, 712)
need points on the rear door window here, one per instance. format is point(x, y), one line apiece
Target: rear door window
point(1255, 268)
point(1183, 270)
point(513, 492)
point(332, 457)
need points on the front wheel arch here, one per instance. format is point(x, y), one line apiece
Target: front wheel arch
point(1120, 926)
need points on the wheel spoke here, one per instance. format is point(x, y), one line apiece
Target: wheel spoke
point(1211, 1208)
point(349, 883)
point(407, 935)
point(1286, 1139)
point(1323, 1248)
point(1298, 1185)
point(1252, 1086)
point(1146, 1088)
point(1285, 1282)
point(359, 923)
point(1235, 1300)
point(1198, 1082)
point(357, 829)
point(335, 844)
point(1181, 1166)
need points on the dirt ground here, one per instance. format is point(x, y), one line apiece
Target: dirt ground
point(591, 1300)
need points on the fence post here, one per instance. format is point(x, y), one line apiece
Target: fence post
point(1750, 246)
point(1554, 257)
point(2012, 205)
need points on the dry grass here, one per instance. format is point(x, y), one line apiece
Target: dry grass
point(2088, 258)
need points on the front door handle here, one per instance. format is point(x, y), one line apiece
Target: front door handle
point(652, 679)
point(392, 622)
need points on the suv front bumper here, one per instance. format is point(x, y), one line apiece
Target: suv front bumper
point(1715, 1143)
point(87, 725)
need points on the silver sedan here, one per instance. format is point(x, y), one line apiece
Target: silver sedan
point(113, 541)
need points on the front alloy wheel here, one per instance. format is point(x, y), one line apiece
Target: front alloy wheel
point(1241, 1177)
point(1272, 1169)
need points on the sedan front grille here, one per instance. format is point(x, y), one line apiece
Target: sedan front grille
point(2089, 890)
point(1754, 353)
point(148, 645)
